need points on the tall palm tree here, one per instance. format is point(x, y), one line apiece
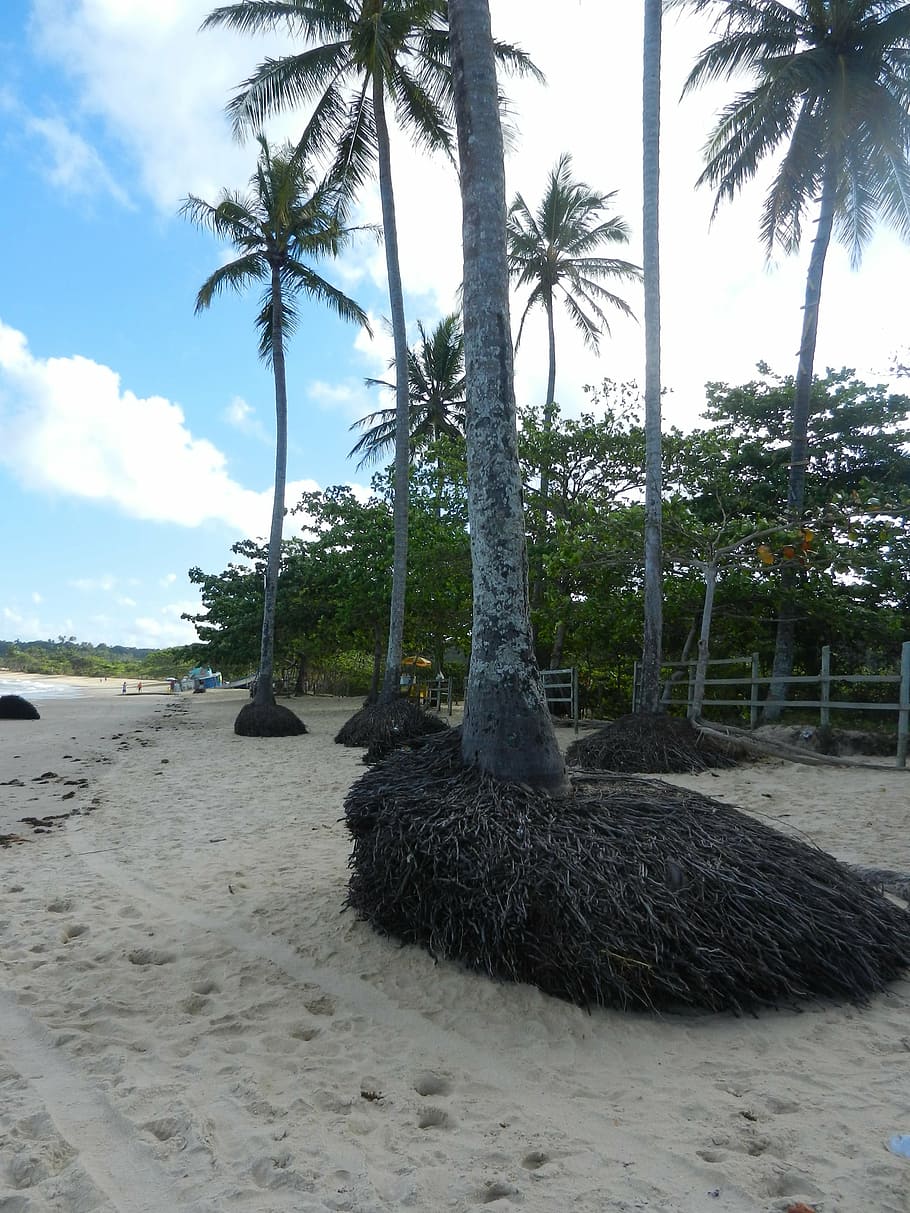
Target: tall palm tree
point(650, 694)
point(360, 54)
point(507, 729)
point(553, 250)
point(282, 223)
point(832, 91)
point(436, 388)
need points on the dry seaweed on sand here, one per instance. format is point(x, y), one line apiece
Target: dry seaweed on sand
point(633, 894)
point(656, 744)
point(268, 720)
point(14, 707)
point(383, 727)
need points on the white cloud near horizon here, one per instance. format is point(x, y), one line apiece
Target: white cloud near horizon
point(67, 426)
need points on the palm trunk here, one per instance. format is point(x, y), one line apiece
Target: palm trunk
point(799, 449)
point(507, 729)
point(264, 693)
point(704, 641)
point(541, 537)
point(650, 699)
point(402, 436)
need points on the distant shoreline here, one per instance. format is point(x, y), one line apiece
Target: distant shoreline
point(55, 686)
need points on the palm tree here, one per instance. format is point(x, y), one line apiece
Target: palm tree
point(553, 250)
point(360, 54)
point(436, 387)
point(281, 224)
point(832, 89)
point(650, 694)
point(507, 729)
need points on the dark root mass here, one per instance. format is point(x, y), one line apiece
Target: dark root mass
point(14, 707)
point(268, 720)
point(656, 744)
point(383, 727)
point(634, 894)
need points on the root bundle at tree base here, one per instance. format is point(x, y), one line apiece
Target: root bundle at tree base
point(384, 726)
point(14, 707)
point(268, 720)
point(633, 894)
point(656, 744)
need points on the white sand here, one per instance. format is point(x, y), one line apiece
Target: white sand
point(188, 1022)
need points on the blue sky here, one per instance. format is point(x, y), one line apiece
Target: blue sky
point(136, 438)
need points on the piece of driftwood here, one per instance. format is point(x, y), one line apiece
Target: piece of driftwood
point(780, 749)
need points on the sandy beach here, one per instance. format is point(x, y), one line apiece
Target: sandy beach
point(189, 1022)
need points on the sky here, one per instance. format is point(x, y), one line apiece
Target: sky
point(136, 438)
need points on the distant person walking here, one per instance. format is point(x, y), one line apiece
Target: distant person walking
point(139, 688)
point(123, 689)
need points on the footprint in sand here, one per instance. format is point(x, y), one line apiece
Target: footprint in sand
point(73, 931)
point(496, 1189)
point(535, 1160)
point(59, 906)
point(430, 1083)
point(150, 956)
point(435, 1118)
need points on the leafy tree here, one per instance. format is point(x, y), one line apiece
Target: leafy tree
point(361, 54)
point(507, 730)
point(282, 223)
point(832, 83)
point(436, 392)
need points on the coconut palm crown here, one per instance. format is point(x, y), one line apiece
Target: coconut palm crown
point(553, 250)
point(436, 386)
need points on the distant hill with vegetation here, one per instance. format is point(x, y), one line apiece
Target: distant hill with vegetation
point(67, 655)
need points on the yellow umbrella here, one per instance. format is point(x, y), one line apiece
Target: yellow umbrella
point(422, 663)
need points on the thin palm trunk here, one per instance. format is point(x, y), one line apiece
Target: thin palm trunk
point(537, 580)
point(507, 729)
point(264, 693)
point(799, 448)
point(402, 435)
point(650, 700)
point(709, 569)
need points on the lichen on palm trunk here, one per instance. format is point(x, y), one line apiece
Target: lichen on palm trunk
point(635, 894)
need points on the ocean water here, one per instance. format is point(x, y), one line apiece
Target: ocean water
point(39, 689)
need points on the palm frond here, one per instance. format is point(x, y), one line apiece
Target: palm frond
point(236, 276)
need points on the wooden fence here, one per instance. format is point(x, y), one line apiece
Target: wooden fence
point(681, 677)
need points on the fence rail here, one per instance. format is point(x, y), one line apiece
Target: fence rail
point(561, 688)
point(681, 675)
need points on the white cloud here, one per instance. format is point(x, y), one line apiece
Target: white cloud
point(124, 601)
point(168, 579)
point(159, 86)
point(242, 416)
point(74, 166)
point(91, 585)
point(67, 426)
point(36, 598)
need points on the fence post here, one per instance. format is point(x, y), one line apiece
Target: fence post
point(824, 716)
point(903, 716)
point(753, 694)
point(635, 686)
